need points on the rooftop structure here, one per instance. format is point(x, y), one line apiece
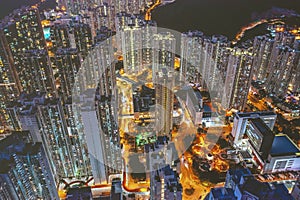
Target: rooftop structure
point(283, 145)
point(241, 184)
point(221, 194)
point(260, 136)
point(241, 121)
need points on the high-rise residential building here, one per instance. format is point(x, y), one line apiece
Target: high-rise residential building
point(99, 112)
point(8, 84)
point(124, 20)
point(238, 79)
point(276, 61)
point(102, 34)
point(102, 16)
point(55, 139)
point(102, 135)
point(20, 32)
point(131, 37)
point(282, 62)
point(163, 78)
point(164, 46)
point(164, 100)
point(83, 38)
point(92, 133)
point(24, 171)
point(295, 83)
point(68, 62)
point(70, 33)
point(96, 13)
point(99, 66)
point(241, 121)
point(225, 72)
point(214, 64)
point(27, 113)
point(36, 74)
point(54, 123)
point(135, 36)
point(60, 35)
point(22, 116)
point(74, 7)
point(88, 17)
point(109, 135)
point(191, 52)
point(13, 121)
point(120, 6)
point(262, 48)
point(149, 28)
point(132, 7)
point(78, 146)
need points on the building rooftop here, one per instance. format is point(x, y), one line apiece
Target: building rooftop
point(255, 114)
point(15, 138)
point(193, 33)
point(245, 154)
point(206, 108)
point(261, 138)
point(265, 191)
point(237, 174)
point(196, 99)
point(198, 94)
point(223, 193)
point(254, 187)
point(261, 126)
point(79, 193)
point(282, 145)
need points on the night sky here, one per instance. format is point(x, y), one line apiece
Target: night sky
point(7, 6)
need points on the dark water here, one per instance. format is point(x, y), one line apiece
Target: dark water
point(217, 16)
point(210, 16)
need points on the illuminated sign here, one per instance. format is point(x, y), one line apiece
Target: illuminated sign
point(47, 33)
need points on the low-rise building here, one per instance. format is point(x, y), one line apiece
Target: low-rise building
point(240, 184)
point(296, 190)
point(241, 121)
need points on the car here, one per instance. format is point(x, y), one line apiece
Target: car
point(281, 176)
point(261, 177)
point(291, 175)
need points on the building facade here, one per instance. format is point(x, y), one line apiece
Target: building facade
point(25, 172)
point(241, 120)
